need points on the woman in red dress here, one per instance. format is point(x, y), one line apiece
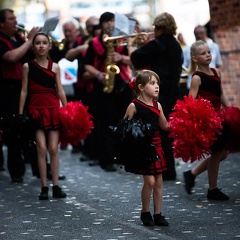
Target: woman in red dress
point(41, 83)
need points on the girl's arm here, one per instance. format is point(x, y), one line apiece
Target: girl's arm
point(162, 119)
point(224, 101)
point(23, 94)
point(196, 82)
point(60, 90)
point(131, 111)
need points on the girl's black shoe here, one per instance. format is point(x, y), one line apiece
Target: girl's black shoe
point(160, 220)
point(44, 194)
point(58, 193)
point(147, 219)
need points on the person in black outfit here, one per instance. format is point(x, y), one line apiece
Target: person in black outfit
point(164, 56)
point(107, 107)
point(14, 51)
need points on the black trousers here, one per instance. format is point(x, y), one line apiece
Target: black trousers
point(168, 98)
point(107, 109)
point(9, 104)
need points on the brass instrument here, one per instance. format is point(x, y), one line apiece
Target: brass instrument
point(138, 42)
point(59, 44)
point(111, 68)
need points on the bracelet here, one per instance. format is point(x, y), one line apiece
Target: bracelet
point(98, 75)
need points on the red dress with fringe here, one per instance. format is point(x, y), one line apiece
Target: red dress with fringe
point(210, 89)
point(150, 114)
point(44, 101)
point(200, 126)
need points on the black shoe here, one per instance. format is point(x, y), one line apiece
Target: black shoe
point(189, 179)
point(44, 194)
point(17, 180)
point(109, 168)
point(160, 220)
point(147, 219)
point(2, 169)
point(216, 194)
point(58, 193)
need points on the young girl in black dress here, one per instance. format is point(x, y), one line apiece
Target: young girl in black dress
point(41, 77)
point(206, 83)
point(146, 108)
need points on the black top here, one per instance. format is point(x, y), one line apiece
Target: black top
point(162, 55)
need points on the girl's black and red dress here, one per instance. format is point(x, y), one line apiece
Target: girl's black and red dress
point(150, 114)
point(44, 102)
point(210, 89)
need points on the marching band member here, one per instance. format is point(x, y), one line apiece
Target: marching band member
point(108, 107)
point(14, 51)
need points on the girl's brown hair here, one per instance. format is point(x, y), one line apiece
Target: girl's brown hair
point(41, 34)
point(143, 77)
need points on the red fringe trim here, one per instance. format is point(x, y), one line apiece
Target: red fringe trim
point(76, 123)
point(194, 126)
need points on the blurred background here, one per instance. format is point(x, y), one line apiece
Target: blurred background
point(186, 12)
point(220, 17)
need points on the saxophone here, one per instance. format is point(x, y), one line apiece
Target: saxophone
point(111, 68)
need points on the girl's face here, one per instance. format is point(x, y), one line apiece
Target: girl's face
point(41, 45)
point(152, 88)
point(203, 55)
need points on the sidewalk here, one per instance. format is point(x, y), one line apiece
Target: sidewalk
point(106, 206)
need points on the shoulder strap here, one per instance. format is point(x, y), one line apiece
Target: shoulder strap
point(50, 63)
point(215, 72)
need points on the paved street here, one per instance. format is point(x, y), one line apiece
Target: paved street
point(106, 206)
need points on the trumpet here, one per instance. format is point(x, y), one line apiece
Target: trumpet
point(138, 41)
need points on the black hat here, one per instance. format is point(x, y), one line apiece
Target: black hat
point(107, 16)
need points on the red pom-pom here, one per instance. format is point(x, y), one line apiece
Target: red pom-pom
point(194, 126)
point(231, 116)
point(76, 123)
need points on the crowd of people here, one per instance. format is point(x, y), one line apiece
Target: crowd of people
point(30, 84)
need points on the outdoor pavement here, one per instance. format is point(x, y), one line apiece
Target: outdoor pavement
point(106, 205)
